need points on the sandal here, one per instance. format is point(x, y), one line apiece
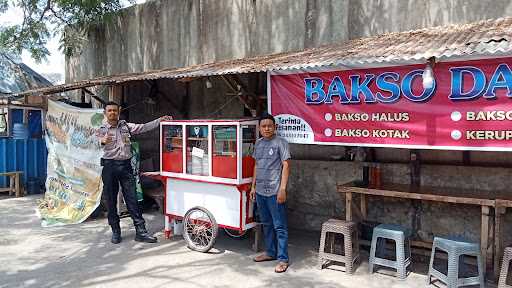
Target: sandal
point(263, 258)
point(281, 267)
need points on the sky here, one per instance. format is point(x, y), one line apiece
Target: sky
point(56, 60)
point(54, 63)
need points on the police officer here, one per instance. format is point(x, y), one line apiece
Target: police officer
point(115, 139)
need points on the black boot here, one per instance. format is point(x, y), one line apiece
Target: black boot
point(142, 235)
point(116, 234)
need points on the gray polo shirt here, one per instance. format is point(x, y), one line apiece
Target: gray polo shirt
point(120, 148)
point(269, 155)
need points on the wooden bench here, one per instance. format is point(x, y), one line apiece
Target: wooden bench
point(14, 183)
point(437, 194)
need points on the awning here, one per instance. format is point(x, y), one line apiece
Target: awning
point(483, 38)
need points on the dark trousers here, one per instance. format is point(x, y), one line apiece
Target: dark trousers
point(117, 172)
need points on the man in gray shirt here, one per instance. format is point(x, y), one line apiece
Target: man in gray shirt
point(269, 189)
point(115, 138)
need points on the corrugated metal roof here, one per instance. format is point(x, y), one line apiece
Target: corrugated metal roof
point(16, 77)
point(484, 38)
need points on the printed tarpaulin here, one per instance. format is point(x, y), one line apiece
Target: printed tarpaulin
point(466, 106)
point(73, 185)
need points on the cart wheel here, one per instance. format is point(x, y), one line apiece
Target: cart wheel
point(235, 233)
point(200, 229)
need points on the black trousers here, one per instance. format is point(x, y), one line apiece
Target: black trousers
point(117, 172)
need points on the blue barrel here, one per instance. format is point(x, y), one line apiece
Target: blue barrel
point(19, 131)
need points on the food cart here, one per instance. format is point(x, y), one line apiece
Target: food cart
point(207, 168)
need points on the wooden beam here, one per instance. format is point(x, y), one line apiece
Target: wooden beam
point(484, 238)
point(415, 167)
point(364, 207)
point(94, 96)
point(423, 193)
point(348, 206)
point(466, 157)
point(242, 91)
point(115, 94)
point(499, 214)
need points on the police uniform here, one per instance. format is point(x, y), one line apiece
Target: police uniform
point(117, 169)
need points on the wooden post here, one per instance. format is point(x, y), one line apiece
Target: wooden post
point(415, 169)
point(364, 207)
point(466, 157)
point(12, 181)
point(498, 238)
point(115, 94)
point(415, 179)
point(348, 206)
point(484, 237)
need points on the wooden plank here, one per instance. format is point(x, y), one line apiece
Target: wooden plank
point(348, 206)
point(364, 207)
point(484, 237)
point(424, 195)
point(503, 203)
point(12, 188)
point(498, 239)
point(10, 173)
point(115, 93)
point(17, 185)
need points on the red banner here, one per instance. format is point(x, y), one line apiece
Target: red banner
point(467, 107)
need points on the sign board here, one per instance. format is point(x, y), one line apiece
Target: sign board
point(469, 106)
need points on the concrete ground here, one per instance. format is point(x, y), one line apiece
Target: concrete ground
point(82, 256)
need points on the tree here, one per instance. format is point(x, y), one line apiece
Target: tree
point(44, 19)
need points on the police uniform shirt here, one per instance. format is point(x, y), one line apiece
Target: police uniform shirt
point(120, 147)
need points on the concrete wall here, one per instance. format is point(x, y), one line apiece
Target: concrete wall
point(162, 34)
point(313, 197)
point(372, 17)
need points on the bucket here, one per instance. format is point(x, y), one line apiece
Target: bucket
point(19, 131)
point(177, 228)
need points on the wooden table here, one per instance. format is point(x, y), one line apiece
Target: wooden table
point(14, 183)
point(446, 195)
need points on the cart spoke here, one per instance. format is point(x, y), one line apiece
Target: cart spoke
point(200, 229)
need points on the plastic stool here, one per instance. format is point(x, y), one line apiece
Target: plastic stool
point(403, 251)
point(455, 247)
point(351, 244)
point(507, 257)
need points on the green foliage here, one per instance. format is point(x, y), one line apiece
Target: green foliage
point(43, 19)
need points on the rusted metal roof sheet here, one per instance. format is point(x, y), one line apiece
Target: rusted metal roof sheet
point(16, 77)
point(484, 38)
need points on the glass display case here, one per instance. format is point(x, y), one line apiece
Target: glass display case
point(207, 168)
point(209, 150)
point(172, 148)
